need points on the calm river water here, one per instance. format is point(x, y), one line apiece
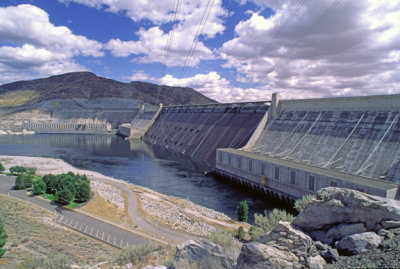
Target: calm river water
point(136, 163)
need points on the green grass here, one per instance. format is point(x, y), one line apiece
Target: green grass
point(49, 196)
point(73, 204)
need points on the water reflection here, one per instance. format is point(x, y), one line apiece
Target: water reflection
point(136, 162)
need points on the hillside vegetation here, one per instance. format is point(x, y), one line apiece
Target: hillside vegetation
point(89, 86)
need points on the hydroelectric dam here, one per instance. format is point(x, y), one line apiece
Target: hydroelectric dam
point(286, 148)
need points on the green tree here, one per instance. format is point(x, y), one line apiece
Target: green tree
point(23, 181)
point(53, 184)
point(242, 211)
point(31, 170)
point(1, 168)
point(83, 192)
point(64, 196)
point(39, 187)
point(18, 169)
point(3, 237)
point(240, 233)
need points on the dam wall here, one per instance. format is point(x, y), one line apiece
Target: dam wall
point(113, 115)
point(143, 121)
point(325, 142)
point(68, 127)
point(198, 130)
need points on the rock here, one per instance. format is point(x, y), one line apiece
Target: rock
point(338, 205)
point(359, 243)
point(127, 266)
point(155, 267)
point(316, 262)
point(293, 239)
point(201, 252)
point(390, 224)
point(343, 230)
point(259, 256)
point(320, 246)
point(321, 236)
point(330, 255)
point(386, 234)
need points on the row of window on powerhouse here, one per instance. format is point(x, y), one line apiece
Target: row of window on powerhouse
point(263, 172)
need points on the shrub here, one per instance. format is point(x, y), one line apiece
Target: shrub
point(136, 254)
point(242, 211)
point(1, 168)
point(303, 202)
point(254, 233)
point(83, 192)
point(64, 196)
point(271, 219)
point(240, 233)
point(223, 238)
point(39, 187)
point(3, 237)
point(23, 181)
point(31, 170)
point(18, 169)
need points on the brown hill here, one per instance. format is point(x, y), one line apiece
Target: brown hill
point(89, 86)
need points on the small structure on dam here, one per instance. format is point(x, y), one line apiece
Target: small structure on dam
point(304, 145)
point(198, 130)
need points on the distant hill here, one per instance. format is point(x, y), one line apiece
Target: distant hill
point(89, 86)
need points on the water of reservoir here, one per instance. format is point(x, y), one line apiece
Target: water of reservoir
point(139, 164)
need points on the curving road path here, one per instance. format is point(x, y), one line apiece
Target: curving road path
point(100, 229)
point(155, 229)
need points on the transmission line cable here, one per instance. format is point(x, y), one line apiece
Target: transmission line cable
point(195, 41)
point(174, 15)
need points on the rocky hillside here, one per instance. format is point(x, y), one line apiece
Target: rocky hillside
point(87, 85)
point(339, 228)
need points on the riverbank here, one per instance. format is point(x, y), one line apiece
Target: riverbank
point(112, 195)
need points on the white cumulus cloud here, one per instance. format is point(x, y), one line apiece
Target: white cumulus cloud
point(352, 50)
point(36, 46)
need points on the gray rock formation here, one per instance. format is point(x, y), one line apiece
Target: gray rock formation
point(316, 262)
point(259, 256)
point(359, 243)
point(338, 205)
point(201, 253)
point(343, 230)
point(292, 239)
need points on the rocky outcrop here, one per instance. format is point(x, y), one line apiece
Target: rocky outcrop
point(333, 206)
point(259, 256)
point(339, 220)
point(358, 243)
point(201, 253)
point(291, 239)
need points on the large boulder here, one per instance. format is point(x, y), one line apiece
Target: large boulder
point(343, 230)
point(259, 256)
point(291, 238)
point(202, 254)
point(338, 205)
point(359, 243)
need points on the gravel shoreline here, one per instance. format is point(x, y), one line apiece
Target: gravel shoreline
point(175, 212)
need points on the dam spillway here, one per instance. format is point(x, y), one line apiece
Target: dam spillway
point(198, 130)
point(309, 144)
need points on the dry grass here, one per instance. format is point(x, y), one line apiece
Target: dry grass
point(17, 98)
point(32, 234)
point(103, 209)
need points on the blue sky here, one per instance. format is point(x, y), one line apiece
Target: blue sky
point(246, 49)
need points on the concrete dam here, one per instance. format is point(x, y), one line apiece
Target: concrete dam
point(198, 131)
point(306, 145)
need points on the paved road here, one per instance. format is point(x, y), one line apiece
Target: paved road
point(93, 227)
point(154, 228)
